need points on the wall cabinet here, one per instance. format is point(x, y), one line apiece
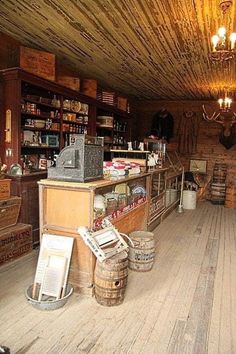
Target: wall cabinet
point(45, 117)
point(79, 210)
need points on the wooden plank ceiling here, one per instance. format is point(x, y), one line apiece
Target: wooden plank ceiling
point(151, 49)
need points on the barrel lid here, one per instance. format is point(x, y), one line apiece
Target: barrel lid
point(144, 235)
point(119, 257)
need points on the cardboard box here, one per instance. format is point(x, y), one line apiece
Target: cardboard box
point(15, 241)
point(38, 62)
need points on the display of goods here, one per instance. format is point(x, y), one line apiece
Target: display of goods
point(15, 241)
point(40, 124)
point(105, 121)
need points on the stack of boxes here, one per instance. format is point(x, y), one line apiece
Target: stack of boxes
point(15, 238)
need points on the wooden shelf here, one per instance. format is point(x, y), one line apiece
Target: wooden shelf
point(39, 129)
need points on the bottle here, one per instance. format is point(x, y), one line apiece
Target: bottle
point(54, 101)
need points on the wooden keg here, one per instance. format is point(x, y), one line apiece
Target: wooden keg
point(110, 280)
point(142, 252)
point(230, 197)
point(218, 193)
point(219, 173)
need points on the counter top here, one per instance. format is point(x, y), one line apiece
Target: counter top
point(33, 175)
point(93, 184)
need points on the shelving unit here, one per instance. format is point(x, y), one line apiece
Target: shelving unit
point(44, 117)
point(30, 99)
point(116, 128)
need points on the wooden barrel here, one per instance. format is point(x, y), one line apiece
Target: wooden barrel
point(110, 280)
point(219, 173)
point(230, 197)
point(142, 252)
point(218, 193)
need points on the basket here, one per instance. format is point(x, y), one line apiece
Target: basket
point(48, 305)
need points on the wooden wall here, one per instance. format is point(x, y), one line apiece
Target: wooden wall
point(208, 146)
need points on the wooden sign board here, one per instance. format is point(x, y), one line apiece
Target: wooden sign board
point(38, 62)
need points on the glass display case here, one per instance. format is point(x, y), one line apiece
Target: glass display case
point(173, 178)
point(114, 200)
point(157, 194)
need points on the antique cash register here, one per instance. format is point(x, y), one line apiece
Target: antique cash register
point(81, 162)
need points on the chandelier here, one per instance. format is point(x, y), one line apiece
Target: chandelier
point(225, 104)
point(223, 46)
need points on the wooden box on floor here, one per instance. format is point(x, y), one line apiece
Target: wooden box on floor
point(5, 187)
point(15, 241)
point(9, 212)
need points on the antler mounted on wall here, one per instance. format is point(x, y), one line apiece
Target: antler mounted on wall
point(227, 119)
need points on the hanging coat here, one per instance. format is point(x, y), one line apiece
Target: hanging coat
point(163, 124)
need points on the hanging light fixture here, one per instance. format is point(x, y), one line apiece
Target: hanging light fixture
point(223, 46)
point(225, 103)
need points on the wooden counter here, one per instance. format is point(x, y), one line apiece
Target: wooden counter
point(64, 206)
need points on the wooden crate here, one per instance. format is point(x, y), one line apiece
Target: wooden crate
point(122, 103)
point(9, 212)
point(5, 188)
point(15, 241)
point(67, 77)
point(89, 87)
point(37, 62)
point(70, 82)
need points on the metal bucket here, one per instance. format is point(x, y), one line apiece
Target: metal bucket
point(48, 305)
point(189, 199)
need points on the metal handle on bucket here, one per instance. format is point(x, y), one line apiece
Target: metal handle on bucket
point(124, 235)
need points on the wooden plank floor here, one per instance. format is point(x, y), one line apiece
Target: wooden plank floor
point(186, 304)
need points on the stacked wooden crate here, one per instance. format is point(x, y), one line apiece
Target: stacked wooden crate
point(15, 238)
